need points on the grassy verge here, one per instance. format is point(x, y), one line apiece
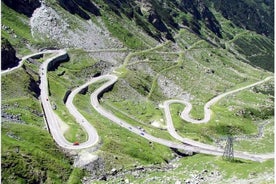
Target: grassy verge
point(125, 147)
point(151, 115)
point(58, 88)
point(76, 176)
point(30, 155)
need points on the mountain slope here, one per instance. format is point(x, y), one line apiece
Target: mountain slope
point(160, 49)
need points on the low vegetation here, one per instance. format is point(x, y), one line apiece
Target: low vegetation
point(197, 64)
point(29, 155)
point(204, 168)
point(125, 147)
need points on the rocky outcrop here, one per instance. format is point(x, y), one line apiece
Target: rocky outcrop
point(8, 58)
point(47, 23)
point(78, 7)
point(25, 7)
point(157, 22)
point(202, 13)
point(54, 64)
point(68, 92)
point(34, 87)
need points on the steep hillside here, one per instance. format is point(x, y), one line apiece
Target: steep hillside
point(252, 15)
point(8, 55)
point(160, 50)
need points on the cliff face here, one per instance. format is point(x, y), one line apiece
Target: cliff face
point(80, 7)
point(25, 7)
point(253, 15)
point(8, 58)
point(201, 12)
point(163, 13)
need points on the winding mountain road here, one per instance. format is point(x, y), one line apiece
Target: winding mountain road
point(207, 111)
point(21, 62)
point(189, 145)
point(207, 115)
point(54, 122)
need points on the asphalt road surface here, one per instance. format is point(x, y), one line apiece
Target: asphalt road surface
point(21, 62)
point(189, 145)
point(54, 122)
point(207, 115)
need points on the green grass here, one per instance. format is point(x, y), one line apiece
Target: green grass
point(225, 121)
point(263, 145)
point(119, 142)
point(29, 155)
point(30, 110)
point(19, 23)
point(143, 53)
point(123, 34)
point(258, 50)
point(145, 112)
point(76, 176)
point(186, 38)
point(78, 61)
point(58, 88)
point(9, 84)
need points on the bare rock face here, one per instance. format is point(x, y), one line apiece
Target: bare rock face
point(46, 23)
point(8, 58)
point(26, 7)
point(172, 90)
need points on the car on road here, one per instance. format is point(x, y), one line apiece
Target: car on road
point(76, 143)
point(46, 99)
point(142, 133)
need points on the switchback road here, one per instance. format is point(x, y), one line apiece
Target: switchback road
point(207, 115)
point(54, 122)
point(189, 145)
